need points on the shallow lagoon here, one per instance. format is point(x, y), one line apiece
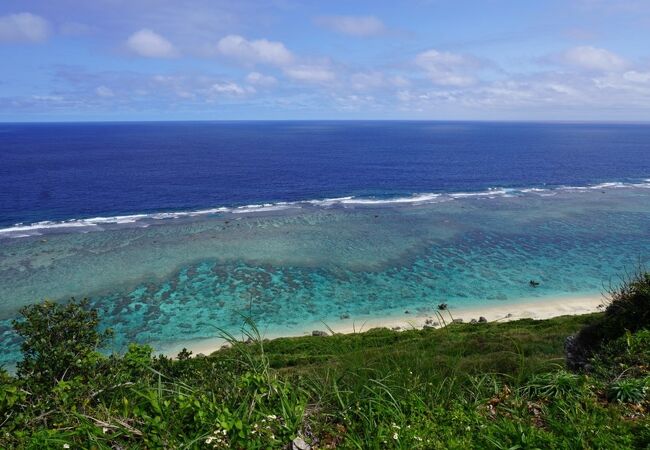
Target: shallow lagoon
point(181, 279)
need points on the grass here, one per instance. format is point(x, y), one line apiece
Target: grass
point(465, 386)
point(496, 385)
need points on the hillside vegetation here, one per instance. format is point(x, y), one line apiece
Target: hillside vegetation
point(495, 385)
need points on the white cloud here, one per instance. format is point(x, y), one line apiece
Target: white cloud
point(149, 44)
point(230, 88)
point(259, 79)
point(48, 98)
point(362, 26)
point(23, 27)
point(447, 69)
point(367, 80)
point(637, 77)
point(310, 74)
point(593, 58)
point(103, 91)
point(254, 51)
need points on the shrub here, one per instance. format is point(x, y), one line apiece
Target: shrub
point(628, 310)
point(60, 341)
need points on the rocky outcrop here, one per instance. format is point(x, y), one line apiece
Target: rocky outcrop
point(577, 357)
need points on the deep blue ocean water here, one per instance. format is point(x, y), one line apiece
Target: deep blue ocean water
point(66, 171)
point(174, 230)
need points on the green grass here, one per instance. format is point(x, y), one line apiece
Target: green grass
point(496, 385)
point(495, 347)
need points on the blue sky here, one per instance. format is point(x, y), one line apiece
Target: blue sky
point(284, 59)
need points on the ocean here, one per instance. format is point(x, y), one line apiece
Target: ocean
point(176, 230)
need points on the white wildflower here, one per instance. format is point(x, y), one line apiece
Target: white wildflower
point(66, 445)
point(395, 436)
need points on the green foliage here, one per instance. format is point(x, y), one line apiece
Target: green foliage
point(628, 310)
point(628, 390)
point(467, 386)
point(60, 341)
point(557, 384)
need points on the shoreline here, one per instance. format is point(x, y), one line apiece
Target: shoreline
point(538, 309)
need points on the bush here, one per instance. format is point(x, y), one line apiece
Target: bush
point(628, 310)
point(60, 341)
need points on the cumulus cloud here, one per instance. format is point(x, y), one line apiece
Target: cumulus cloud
point(150, 44)
point(594, 59)
point(362, 26)
point(447, 69)
point(23, 27)
point(558, 94)
point(259, 79)
point(259, 51)
point(230, 88)
point(310, 74)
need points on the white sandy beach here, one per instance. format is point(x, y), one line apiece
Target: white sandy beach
point(525, 309)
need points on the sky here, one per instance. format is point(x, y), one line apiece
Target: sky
point(72, 60)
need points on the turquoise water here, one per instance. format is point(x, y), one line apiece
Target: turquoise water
point(180, 279)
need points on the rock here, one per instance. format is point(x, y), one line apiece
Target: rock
point(300, 444)
point(427, 326)
point(407, 312)
point(396, 328)
point(319, 333)
point(576, 356)
point(482, 320)
point(508, 315)
point(457, 321)
point(344, 316)
point(473, 321)
point(225, 346)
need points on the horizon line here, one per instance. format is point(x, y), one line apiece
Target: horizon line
point(504, 121)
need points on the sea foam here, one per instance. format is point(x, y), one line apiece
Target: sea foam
point(142, 220)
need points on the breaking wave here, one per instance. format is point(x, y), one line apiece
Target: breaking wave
point(144, 220)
